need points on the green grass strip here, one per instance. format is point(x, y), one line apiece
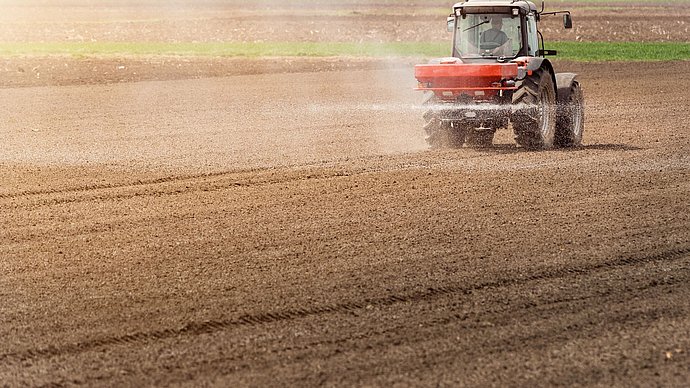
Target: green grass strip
point(577, 51)
point(553, 3)
point(620, 51)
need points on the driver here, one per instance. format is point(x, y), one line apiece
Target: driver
point(494, 34)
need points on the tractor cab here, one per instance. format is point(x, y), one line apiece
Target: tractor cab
point(498, 30)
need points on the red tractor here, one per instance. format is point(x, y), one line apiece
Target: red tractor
point(498, 75)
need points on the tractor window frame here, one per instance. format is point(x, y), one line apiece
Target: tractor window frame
point(532, 37)
point(459, 26)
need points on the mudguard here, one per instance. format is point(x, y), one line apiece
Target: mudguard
point(563, 83)
point(536, 63)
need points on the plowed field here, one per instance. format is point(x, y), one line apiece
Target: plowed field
point(271, 228)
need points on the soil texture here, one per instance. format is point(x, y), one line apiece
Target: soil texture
point(294, 229)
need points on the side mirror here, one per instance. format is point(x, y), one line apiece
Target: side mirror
point(567, 21)
point(451, 23)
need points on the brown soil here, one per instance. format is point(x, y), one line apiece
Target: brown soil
point(292, 229)
point(331, 21)
point(67, 70)
point(269, 226)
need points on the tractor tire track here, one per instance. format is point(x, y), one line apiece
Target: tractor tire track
point(107, 186)
point(208, 327)
point(86, 193)
point(243, 178)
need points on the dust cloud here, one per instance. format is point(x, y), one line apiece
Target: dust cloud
point(272, 119)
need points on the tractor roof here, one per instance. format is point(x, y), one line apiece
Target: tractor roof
point(525, 6)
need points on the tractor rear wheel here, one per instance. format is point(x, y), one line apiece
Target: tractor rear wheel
point(570, 121)
point(534, 115)
point(441, 134)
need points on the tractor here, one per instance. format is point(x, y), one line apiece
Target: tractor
point(498, 75)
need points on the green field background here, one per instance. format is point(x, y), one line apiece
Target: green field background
point(576, 51)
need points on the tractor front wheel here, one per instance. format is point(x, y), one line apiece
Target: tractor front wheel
point(570, 123)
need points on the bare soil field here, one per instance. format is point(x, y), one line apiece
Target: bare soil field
point(235, 222)
point(332, 21)
point(292, 229)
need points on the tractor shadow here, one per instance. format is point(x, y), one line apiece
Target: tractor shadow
point(508, 149)
point(607, 147)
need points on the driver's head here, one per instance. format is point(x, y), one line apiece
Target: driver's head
point(496, 23)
